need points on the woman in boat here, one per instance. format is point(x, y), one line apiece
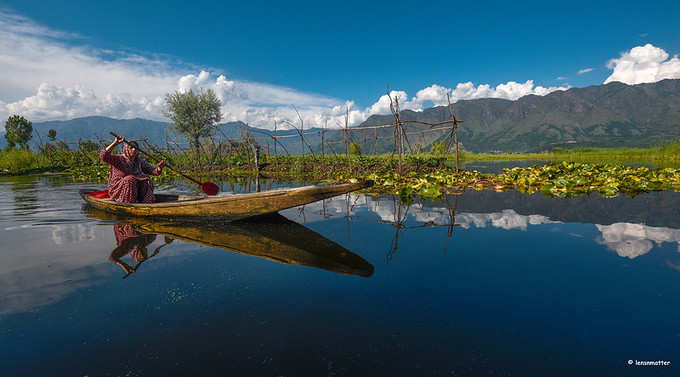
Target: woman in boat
point(128, 174)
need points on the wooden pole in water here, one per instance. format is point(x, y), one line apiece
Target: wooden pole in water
point(274, 137)
point(323, 138)
point(349, 161)
point(375, 136)
point(346, 133)
point(397, 122)
point(454, 129)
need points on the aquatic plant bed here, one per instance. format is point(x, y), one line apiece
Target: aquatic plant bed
point(563, 179)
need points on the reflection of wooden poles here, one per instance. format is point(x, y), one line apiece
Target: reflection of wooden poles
point(348, 210)
point(348, 218)
point(452, 219)
point(399, 219)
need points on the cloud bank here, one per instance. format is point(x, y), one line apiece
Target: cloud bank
point(47, 75)
point(644, 64)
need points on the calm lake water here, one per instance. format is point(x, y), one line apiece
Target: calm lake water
point(482, 284)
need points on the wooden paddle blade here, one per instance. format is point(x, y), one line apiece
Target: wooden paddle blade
point(210, 188)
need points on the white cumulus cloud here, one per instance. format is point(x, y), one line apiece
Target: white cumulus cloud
point(643, 64)
point(47, 76)
point(511, 90)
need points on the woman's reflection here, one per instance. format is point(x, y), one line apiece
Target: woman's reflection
point(135, 244)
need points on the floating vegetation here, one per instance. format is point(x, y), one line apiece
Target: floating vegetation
point(564, 179)
point(428, 176)
point(561, 180)
point(572, 178)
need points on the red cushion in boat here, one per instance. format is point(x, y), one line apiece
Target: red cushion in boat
point(103, 194)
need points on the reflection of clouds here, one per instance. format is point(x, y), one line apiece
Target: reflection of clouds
point(506, 219)
point(386, 210)
point(337, 206)
point(627, 240)
point(74, 233)
point(40, 285)
point(632, 240)
point(62, 259)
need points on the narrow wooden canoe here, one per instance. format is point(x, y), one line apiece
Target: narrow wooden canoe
point(272, 237)
point(225, 208)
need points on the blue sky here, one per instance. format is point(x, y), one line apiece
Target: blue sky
point(323, 54)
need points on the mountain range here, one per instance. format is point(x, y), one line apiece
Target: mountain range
point(614, 114)
point(608, 115)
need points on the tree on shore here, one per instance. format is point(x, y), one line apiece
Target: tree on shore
point(52, 134)
point(195, 115)
point(18, 131)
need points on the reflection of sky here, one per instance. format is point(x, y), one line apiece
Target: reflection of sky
point(632, 240)
point(387, 210)
point(48, 263)
point(53, 252)
point(52, 261)
point(626, 239)
point(65, 234)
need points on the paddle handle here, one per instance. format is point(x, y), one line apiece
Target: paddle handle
point(158, 160)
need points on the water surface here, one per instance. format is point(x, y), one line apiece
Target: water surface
point(483, 283)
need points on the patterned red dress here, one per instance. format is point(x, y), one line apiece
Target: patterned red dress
point(129, 179)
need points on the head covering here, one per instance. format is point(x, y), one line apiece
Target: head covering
point(127, 150)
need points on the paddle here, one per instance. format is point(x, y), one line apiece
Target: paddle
point(207, 187)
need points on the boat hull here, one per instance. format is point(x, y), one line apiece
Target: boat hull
point(226, 208)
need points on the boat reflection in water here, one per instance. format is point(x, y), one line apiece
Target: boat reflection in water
point(272, 237)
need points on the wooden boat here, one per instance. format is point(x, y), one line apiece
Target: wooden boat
point(227, 207)
point(272, 237)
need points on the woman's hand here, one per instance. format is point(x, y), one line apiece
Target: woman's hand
point(161, 164)
point(116, 141)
